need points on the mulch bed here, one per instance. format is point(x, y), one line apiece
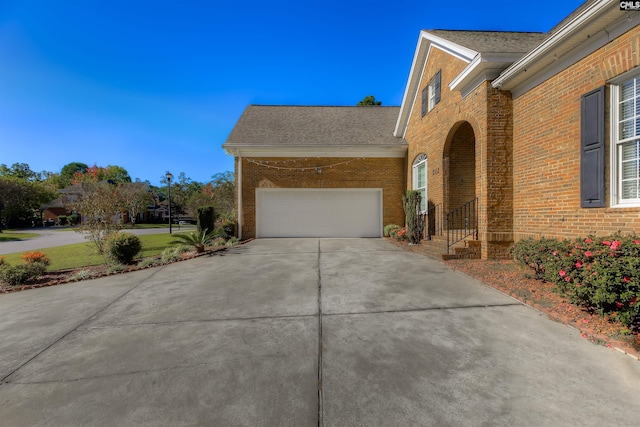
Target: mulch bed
point(516, 281)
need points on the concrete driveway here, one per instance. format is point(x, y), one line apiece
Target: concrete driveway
point(300, 332)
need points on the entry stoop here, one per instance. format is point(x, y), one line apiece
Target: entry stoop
point(470, 250)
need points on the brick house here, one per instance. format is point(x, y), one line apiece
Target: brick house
point(317, 171)
point(576, 126)
point(458, 127)
point(507, 134)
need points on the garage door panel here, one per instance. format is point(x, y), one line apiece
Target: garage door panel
point(319, 212)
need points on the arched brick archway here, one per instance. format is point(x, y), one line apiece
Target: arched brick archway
point(459, 161)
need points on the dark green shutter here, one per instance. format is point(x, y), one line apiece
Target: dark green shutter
point(592, 128)
point(424, 101)
point(436, 86)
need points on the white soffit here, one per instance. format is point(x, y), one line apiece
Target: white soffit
point(372, 151)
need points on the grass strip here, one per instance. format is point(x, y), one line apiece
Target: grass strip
point(13, 236)
point(84, 254)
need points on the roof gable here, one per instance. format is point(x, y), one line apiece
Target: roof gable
point(486, 52)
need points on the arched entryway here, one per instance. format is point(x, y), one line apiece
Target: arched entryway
point(459, 160)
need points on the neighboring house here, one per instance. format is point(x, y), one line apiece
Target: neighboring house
point(52, 210)
point(55, 208)
point(506, 134)
point(317, 171)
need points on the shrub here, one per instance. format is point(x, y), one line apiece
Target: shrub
point(206, 218)
point(123, 247)
point(62, 220)
point(226, 229)
point(18, 274)
point(389, 227)
point(602, 274)
point(232, 242)
point(411, 203)
point(537, 254)
point(172, 254)
point(83, 274)
point(73, 219)
point(35, 257)
point(149, 262)
point(198, 240)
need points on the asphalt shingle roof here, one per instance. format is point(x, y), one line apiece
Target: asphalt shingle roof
point(309, 126)
point(492, 41)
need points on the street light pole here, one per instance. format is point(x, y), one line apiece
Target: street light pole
point(169, 176)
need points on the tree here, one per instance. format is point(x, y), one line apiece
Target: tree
point(20, 201)
point(136, 198)
point(99, 204)
point(68, 171)
point(116, 174)
point(181, 190)
point(95, 173)
point(219, 193)
point(19, 171)
point(369, 100)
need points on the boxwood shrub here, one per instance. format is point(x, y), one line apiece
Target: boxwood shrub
point(123, 247)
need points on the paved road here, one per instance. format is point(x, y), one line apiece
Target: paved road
point(300, 332)
point(50, 237)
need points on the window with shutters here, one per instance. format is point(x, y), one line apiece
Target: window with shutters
point(625, 149)
point(420, 179)
point(434, 91)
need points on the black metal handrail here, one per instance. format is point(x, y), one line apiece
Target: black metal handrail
point(462, 222)
point(431, 221)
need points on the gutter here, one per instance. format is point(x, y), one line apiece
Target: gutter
point(550, 43)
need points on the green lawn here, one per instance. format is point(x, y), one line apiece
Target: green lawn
point(84, 254)
point(12, 236)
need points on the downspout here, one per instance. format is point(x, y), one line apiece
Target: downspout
point(239, 183)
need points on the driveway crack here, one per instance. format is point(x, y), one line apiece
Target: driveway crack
point(320, 386)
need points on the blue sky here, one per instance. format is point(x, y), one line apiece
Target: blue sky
point(154, 85)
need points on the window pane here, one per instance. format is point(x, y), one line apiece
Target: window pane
point(626, 129)
point(630, 189)
point(630, 170)
point(626, 110)
point(423, 200)
point(628, 90)
point(421, 175)
point(630, 150)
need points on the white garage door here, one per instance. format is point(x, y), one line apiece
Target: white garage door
point(311, 212)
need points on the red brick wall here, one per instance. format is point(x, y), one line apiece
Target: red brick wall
point(385, 173)
point(546, 157)
point(445, 134)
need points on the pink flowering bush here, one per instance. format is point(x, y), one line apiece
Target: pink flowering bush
point(602, 274)
point(400, 234)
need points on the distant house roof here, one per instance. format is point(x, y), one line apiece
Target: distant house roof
point(315, 131)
